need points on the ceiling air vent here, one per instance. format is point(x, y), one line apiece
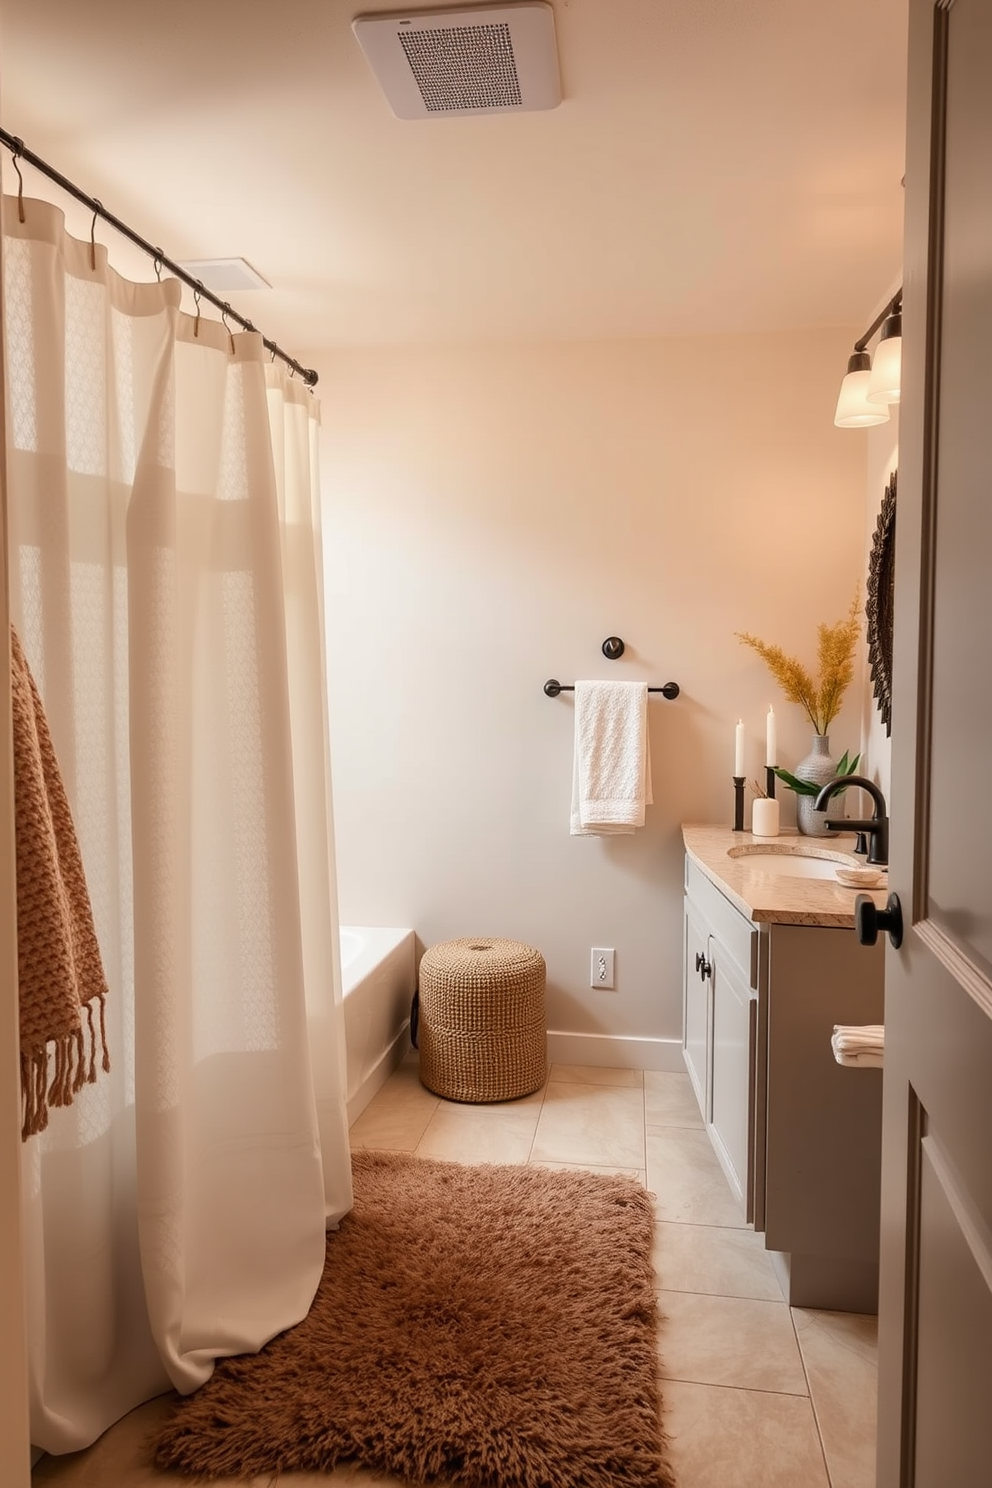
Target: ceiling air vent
point(433, 64)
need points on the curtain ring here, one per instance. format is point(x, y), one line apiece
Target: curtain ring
point(99, 208)
point(196, 302)
point(18, 147)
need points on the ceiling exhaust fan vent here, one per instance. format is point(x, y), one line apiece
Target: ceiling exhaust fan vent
point(479, 61)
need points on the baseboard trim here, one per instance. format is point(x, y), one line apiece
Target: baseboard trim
point(613, 1051)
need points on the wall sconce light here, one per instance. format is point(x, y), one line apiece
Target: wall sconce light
point(886, 371)
point(868, 389)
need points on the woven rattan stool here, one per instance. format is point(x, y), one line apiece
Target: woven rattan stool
point(482, 1032)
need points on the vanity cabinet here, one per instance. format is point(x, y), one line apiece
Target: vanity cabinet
point(797, 1135)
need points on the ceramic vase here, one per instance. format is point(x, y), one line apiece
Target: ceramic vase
point(818, 767)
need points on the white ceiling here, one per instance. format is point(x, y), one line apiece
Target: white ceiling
point(714, 165)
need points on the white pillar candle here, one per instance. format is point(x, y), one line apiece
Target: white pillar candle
point(739, 748)
point(764, 817)
point(771, 741)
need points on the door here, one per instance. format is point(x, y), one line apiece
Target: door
point(935, 1310)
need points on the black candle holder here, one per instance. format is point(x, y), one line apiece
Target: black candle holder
point(738, 803)
point(770, 778)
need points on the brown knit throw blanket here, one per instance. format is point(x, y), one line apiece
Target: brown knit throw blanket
point(59, 968)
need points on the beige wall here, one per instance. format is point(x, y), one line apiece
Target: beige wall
point(491, 515)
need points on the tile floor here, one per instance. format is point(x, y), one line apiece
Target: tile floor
point(756, 1394)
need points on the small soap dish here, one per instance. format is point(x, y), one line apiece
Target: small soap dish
point(860, 878)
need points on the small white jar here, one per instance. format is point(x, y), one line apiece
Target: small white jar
point(764, 817)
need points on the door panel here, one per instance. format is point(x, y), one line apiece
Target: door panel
point(953, 1424)
point(935, 1311)
point(960, 865)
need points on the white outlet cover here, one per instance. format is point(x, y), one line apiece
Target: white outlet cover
point(601, 968)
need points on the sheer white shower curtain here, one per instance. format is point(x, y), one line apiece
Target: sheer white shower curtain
point(166, 586)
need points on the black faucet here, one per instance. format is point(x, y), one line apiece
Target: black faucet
point(877, 829)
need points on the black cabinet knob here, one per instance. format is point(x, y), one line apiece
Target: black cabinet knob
point(705, 969)
point(869, 920)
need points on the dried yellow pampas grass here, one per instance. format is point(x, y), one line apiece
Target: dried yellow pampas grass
point(820, 697)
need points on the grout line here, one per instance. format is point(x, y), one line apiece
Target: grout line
point(742, 1389)
point(722, 1297)
point(812, 1397)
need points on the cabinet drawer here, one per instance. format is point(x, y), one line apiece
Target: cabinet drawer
point(738, 935)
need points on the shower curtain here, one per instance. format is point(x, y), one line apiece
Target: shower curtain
point(166, 587)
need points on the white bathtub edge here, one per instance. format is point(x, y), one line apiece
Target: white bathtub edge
point(378, 984)
point(376, 1077)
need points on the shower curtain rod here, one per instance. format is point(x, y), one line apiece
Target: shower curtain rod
point(19, 151)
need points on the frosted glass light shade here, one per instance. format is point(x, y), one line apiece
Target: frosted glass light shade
point(853, 409)
point(886, 372)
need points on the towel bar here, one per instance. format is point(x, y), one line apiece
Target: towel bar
point(553, 687)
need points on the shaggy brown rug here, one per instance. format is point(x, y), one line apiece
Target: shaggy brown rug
point(490, 1326)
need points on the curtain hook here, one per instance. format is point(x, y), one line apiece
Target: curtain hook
point(18, 147)
point(99, 208)
point(196, 302)
point(223, 315)
point(157, 264)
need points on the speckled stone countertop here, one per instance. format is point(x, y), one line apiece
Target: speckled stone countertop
point(765, 891)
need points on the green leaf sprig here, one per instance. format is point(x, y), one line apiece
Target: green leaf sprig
point(809, 787)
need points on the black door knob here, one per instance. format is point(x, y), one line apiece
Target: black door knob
point(869, 920)
point(699, 961)
point(704, 968)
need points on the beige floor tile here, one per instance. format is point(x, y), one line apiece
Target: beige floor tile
point(396, 1117)
point(669, 1100)
point(480, 1134)
point(723, 1438)
point(564, 1167)
point(734, 1341)
point(687, 1180)
point(840, 1352)
point(593, 1074)
point(707, 1258)
point(598, 1124)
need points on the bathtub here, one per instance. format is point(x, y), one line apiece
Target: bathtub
point(378, 973)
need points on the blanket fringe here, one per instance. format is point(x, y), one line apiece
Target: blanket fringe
point(53, 1074)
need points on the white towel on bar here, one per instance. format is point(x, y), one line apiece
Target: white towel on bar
point(611, 765)
point(861, 1046)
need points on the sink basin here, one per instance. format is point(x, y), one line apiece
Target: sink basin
point(796, 864)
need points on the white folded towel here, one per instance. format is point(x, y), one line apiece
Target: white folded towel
point(861, 1046)
point(611, 767)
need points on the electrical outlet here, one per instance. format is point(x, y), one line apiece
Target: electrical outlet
point(601, 967)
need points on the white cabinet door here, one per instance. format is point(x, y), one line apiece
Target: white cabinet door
point(732, 1101)
point(696, 1013)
